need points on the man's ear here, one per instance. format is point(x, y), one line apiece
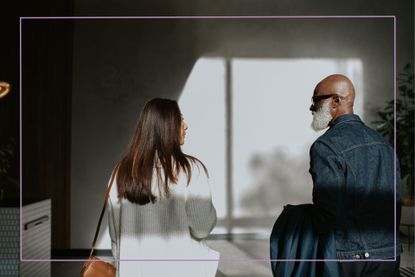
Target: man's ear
point(335, 103)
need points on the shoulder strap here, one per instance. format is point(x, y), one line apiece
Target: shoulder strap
point(102, 214)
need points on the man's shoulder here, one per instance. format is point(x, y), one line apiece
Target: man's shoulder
point(342, 136)
point(324, 142)
point(328, 137)
point(364, 133)
point(348, 136)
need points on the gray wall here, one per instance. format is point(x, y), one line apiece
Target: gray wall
point(119, 64)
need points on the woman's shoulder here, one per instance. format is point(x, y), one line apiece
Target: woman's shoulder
point(112, 182)
point(195, 173)
point(198, 173)
point(197, 166)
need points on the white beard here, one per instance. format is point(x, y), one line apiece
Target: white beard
point(321, 118)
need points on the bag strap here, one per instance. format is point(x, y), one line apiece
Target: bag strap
point(102, 214)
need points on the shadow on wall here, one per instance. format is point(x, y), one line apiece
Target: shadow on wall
point(279, 179)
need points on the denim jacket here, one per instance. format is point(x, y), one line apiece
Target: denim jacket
point(353, 173)
point(292, 238)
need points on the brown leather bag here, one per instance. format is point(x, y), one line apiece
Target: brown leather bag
point(95, 267)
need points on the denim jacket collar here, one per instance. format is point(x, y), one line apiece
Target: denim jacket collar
point(345, 118)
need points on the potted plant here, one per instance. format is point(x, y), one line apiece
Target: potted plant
point(404, 130)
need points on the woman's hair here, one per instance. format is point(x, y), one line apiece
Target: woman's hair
point(155, 147)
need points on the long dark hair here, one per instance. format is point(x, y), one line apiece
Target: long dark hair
point(154, 146)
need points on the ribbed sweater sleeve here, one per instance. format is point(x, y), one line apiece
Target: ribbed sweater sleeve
point(200, 211)
point(113, 210)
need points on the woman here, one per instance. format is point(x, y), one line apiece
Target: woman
point(160, 203)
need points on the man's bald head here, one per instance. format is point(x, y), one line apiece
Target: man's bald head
point(343, 89)
point(337, 84)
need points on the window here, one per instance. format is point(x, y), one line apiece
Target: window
point(249, 122)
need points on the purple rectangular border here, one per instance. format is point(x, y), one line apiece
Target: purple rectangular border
point(208, 17)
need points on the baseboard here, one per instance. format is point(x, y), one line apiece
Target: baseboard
point(78, 253)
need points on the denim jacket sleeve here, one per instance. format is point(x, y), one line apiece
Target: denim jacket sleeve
point(327, 171)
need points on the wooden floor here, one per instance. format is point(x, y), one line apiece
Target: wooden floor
point(243, 250)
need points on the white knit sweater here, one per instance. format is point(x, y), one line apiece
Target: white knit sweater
point(170, 229)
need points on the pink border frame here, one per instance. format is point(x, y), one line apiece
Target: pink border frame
point(21, 19)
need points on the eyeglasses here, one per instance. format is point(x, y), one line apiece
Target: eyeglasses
point(318, 98)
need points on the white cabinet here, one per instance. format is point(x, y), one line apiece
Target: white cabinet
point(36, 239)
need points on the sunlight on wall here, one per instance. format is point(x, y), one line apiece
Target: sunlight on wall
point(270, 129)
point(271, 134)
point(202, 105)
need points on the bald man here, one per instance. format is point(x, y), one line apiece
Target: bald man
point(352, 168)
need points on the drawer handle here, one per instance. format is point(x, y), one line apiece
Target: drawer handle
point(36, 222)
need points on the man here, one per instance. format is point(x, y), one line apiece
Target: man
point(352, 167)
